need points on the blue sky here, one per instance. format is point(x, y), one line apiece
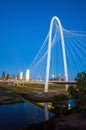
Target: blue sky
point(24, 25)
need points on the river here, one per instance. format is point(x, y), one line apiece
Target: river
point(19, 115)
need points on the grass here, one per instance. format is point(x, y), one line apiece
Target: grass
point(34, 87)
point(31, 91)
point(7, 96)
point(11, 101)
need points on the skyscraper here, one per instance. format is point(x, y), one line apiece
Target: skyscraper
point(27, 75)
point(21, 76)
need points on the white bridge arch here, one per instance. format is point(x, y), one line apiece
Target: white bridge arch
point(49, 52)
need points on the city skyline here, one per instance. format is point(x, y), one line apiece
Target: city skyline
point(25, 24)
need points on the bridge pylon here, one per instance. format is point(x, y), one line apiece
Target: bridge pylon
point(49, 52)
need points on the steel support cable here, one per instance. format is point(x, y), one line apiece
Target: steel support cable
point(69, 62)
point(79, 53)
point(40, 50)
point(79, 58)
point(45, 53)
point(74, 45)
point(71, 50)
point(75, 33)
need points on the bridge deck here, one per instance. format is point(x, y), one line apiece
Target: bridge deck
point(38, 82)
point(63, 82)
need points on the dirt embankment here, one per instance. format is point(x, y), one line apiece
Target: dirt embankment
point(7, 97)
point(74, 121)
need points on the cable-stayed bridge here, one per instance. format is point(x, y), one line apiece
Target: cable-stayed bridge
point(62, 54)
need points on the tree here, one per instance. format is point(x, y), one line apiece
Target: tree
point(73, 92)
point(81, 85)
point(81, 79)
point(60, 104)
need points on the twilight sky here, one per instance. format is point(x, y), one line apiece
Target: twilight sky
point(24, 25)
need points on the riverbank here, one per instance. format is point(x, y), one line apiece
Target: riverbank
point(74, 121)
point(33, 92)
point(13, 94)
point(6, 97)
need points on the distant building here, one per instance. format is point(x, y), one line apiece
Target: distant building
point(27, 75)
point(52, 75)
point(57, 78)
point(17, 77)
point(21, 76)
point(6, 76)
point(13, 77)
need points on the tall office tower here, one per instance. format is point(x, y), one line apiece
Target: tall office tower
point(27, 75)
point(52, 75)
point(21, 76)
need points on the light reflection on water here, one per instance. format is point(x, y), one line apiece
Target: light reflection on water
point(20, 115)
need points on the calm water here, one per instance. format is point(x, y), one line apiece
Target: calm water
point(72, 103)
point(20, 115)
